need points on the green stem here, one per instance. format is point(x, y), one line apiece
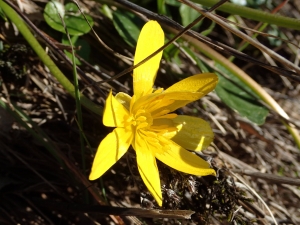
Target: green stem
point(78, 111)
point(55, 71)
point(253, 14)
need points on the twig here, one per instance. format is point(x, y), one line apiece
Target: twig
point(120, 211)
point(240, 34)
point(256, 194)
point(212, 43)
point(269, 177)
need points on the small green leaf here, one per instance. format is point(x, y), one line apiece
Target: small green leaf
point(188, 15)
point(106, 11)
point(273, 30)
point(128, 26)
point(239, 97)
point(174, 3)
point(75, 22)
point(161, 7)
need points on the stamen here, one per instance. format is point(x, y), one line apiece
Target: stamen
point(162, 112)
point(141, 118)
point(142, 125)
point(140, 111)
point(132, 102)
point(167, 116)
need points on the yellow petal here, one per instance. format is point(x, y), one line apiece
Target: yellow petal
point(148, 168)
point(178, 95)
point(124, 99)
point(193, 133)
point(160, 104)
point(151, 39)
point(203, 83)
point(182, 160)
point(115, 114)
point(110, 150)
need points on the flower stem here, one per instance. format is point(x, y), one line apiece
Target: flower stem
point(254, 14)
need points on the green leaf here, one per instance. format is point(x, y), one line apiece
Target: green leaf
point(75, 22)
point(128, 26)
point(188, 15)
point(174, 3)
point(239, 97)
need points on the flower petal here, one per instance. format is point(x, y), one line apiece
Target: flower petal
point(203, 83)
point(124, 99)
point(193, 133)
point(178, 95)
point(174, 100)
point(115, 114)
point(151, 39)
point(110, 150)
point(162, 103)
point(148, 168)
point(181, 159)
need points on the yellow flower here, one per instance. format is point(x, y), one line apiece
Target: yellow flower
point(146, 121)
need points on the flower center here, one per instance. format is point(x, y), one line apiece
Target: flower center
point(141, 120)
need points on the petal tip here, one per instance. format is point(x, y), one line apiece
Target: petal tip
point(93, 176)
